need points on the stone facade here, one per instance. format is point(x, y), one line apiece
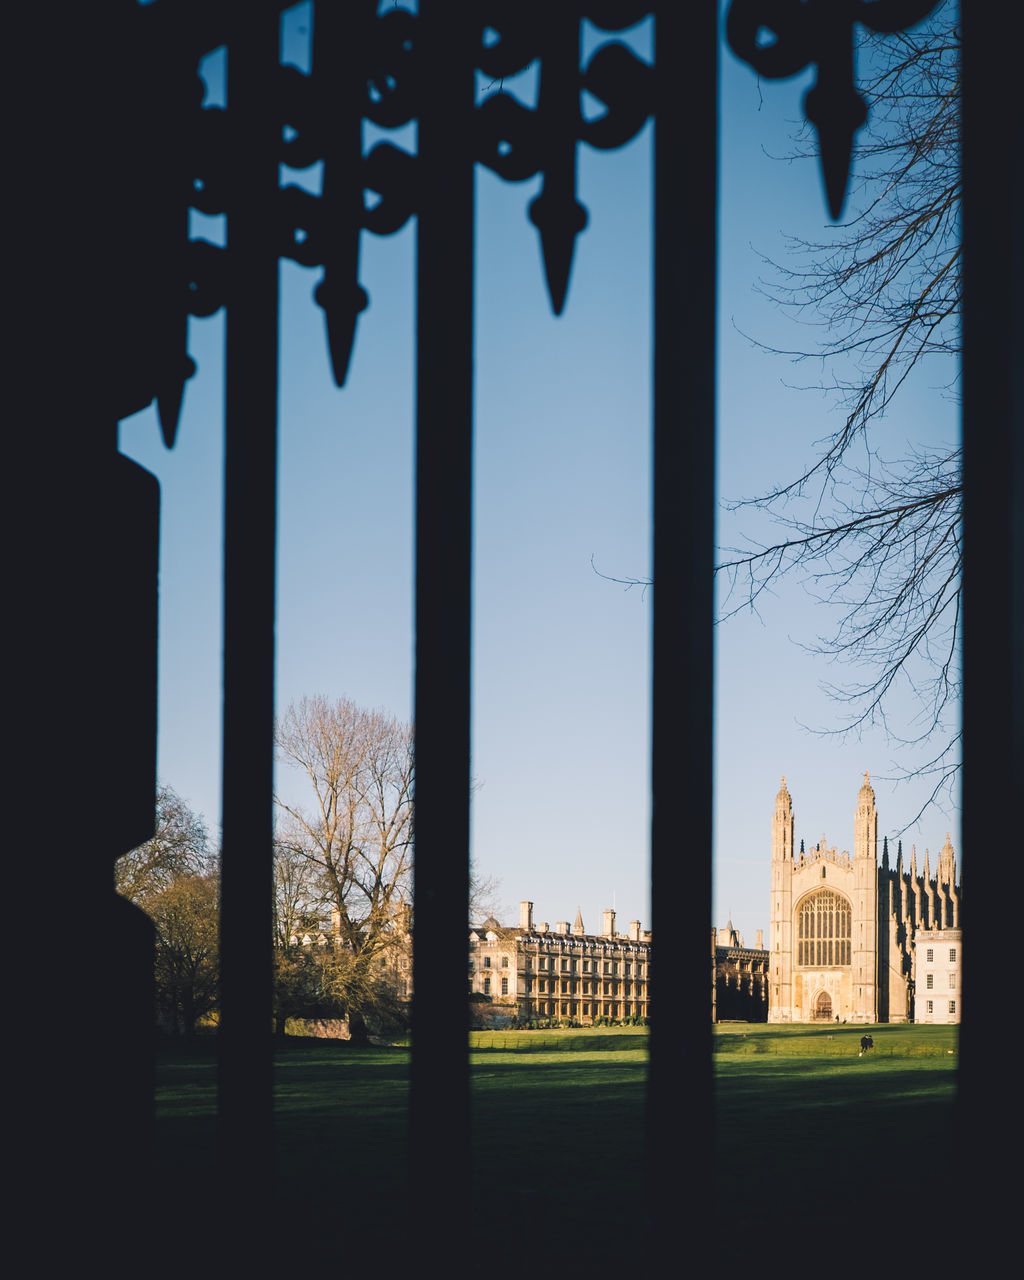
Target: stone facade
point(739, 989)
point(534, 972)
point(846, 935)
point(937, 968)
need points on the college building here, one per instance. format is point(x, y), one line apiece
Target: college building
point(855, 940)
point(535, 972)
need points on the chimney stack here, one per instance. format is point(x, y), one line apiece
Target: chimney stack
point(526, 917)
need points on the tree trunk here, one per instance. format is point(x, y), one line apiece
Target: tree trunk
point(357, 1028)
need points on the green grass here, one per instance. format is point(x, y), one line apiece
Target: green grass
point(829, 1138)
point(805, 1125)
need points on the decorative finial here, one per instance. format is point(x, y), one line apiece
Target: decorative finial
point(780, 39)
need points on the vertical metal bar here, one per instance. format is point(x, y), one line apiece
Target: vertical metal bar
point(439, 1104)
point(993, 584)
point(246, 1066)
point(685, 189)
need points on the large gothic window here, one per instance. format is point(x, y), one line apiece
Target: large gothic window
point(823, 929)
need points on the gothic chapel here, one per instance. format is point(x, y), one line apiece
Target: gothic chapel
point(855, 941)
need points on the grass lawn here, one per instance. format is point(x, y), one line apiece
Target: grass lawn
point(807, 1130)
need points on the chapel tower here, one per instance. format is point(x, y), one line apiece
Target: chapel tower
point(823, 928)
point(780, 925)
point(855, 941)
point(865, 905)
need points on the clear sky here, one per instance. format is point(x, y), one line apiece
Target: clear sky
point(561, 666)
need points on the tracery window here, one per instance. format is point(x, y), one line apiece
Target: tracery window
point(823, 929)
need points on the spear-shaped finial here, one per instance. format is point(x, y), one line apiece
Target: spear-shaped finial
point(837, 111)
point(559, 219)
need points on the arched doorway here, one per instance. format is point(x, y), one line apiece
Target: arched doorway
point(822, 1007)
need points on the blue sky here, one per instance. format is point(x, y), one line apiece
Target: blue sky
point(561, 697)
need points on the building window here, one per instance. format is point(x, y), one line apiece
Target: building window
point(929, 981)
point(952, 955)
point(929, 955)
point(952, 1006)
point(952, 982)
point(487, 986)
point(930, 1006)
point(823, 929)
point(504, 986)
point(504, 962)
point(487, 962)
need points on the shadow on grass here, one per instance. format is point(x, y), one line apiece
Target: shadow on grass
point(812, 1141)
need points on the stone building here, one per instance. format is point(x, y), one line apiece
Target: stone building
point(535, 972)
point(937, 976)
point(852, 940)
point(739, 988)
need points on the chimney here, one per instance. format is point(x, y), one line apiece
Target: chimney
point(562, 926)
point(759, 944)
point(526, 917)
point(634, 930)
point(609, 923)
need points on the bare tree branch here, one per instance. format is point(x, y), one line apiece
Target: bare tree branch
point(880, 541)
point(349, 853)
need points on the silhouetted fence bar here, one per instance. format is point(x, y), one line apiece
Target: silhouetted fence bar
point(993, 575)
point(250, 503)
point(439, 1117)
point(685, 237)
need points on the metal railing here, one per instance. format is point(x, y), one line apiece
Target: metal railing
point(111, 114)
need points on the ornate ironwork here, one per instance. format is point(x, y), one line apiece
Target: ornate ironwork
point(389, 70)
point(779, 38)
point(366, 68)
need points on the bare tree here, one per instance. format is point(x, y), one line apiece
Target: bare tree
point(187, 968)
point(484, 897)
point(178, 847)
point(876, 535)
point(355, 836)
